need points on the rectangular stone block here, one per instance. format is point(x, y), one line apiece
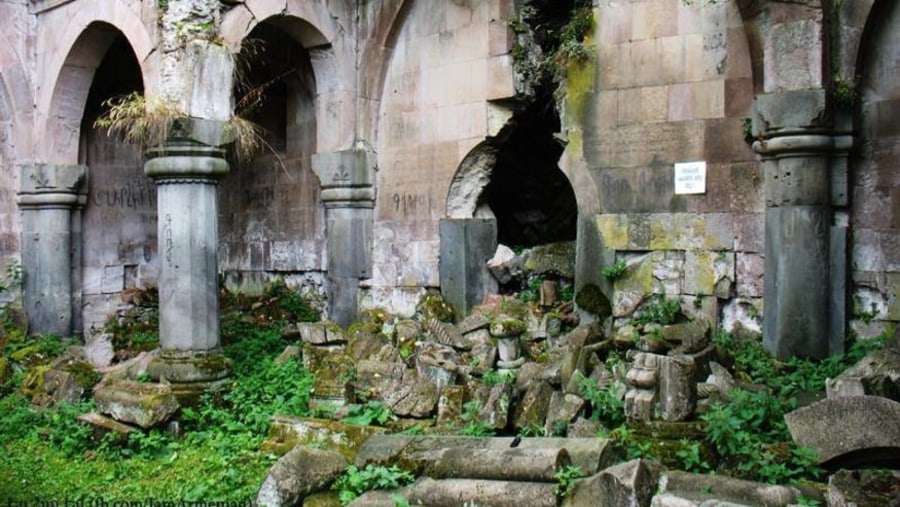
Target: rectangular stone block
point(466, 245)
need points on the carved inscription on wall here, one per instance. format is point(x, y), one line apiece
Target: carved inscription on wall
point(137, 194)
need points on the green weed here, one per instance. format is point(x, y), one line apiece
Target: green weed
point(356, 481)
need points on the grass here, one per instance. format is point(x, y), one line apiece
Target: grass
point(47, 455)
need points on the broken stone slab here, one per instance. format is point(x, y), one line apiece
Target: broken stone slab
point(561, 412)
point(413, 453)
point(863, 488)
point(286, 433)
point(143, 404)
point(291, 352)
point(512, 464)
point(321, 333)
point(300, 472)
point(691, 500)
point(450, 405)
point(677, 390)
point(531, 411)
point(447, 334)
point(494, 405)
point(100, 351)
point(412, 396)
point(105, 425)
point(631, 483)
point(472, 323)
point(427, 491)
point(688, 337)
point(503, 264)
point(877, 374)
point(727, 489)
point(849, 431)
point(437, 363)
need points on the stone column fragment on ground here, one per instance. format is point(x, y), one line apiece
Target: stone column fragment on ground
point(49, 193)
point(802, 274)
point(186, 172)
point(348, 193)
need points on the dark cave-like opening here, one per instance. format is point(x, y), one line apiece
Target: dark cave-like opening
point(533, 201)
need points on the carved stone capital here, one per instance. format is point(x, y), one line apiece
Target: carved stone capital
point(346, 169)
point(51, 185)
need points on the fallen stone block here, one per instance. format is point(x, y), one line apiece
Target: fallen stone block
point(849, 431)
point(434, 492)
point(286, 433)
point(414, 453)
point(632, 483)
point(725, 489)
point(143, 404)
point(104, 425)
point(300, 472)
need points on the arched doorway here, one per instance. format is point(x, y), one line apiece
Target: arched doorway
point(271, 221)
point(118, 247)
point(875, 176)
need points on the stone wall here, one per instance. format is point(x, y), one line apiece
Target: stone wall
point(450, 59)
point(875, 191)
point(673, 83)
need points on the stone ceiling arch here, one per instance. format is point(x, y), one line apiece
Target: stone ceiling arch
point(15, 98)
point(61, 107)
point(314, 28)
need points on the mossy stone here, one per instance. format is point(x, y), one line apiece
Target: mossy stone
point(85, 374)
point(592, 299)
point(433, 306)
point(505, 326)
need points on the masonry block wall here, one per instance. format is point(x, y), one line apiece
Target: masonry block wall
point(673, 83)
point(408, 90)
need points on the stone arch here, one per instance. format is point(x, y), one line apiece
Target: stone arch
point(314, 28)
point(874, 185)
point(465, 195)
point(271, 215)
point(17, 98)
point(118, 243)
point(88, 33)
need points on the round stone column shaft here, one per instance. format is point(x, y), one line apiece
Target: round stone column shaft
point(186, 174)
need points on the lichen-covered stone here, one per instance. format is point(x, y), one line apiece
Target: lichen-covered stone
point(433, 306)
point(504, 326)
point(143, 404)
point(592, 299)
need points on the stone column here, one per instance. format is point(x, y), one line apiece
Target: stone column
point(804, 261)
point(348, 193)
point(186, 173)
point(48, 195)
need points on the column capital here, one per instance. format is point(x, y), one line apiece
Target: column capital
point(347, 175)
point(43, 185)
point(185, 161)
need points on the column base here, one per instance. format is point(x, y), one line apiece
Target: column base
point(191, 373)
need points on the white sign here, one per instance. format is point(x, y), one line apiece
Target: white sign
point(690, 177)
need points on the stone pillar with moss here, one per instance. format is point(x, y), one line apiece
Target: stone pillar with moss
point(186, 169)
point(348, 193)
point(804, 162)
point(48, 196)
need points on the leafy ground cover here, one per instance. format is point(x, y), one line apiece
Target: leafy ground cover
point(215, 455)
point(48, 455)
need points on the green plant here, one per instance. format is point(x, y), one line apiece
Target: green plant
point(616, 271)
point(604, 406)
point(373, 412)
point(660, 310)
point(747, 128)
point(565, 480)
point(690, 456)
point(844, 92)
point(495, 378)
point(474, 426)
point(356, 481)
point(531, 430)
